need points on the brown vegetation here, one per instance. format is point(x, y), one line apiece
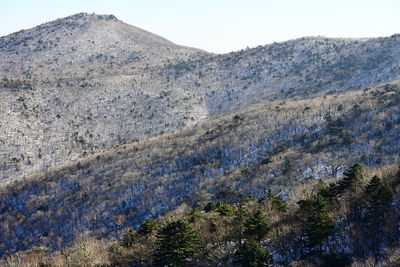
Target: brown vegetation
point(270, 146)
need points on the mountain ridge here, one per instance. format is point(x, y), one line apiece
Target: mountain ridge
point(57, 118)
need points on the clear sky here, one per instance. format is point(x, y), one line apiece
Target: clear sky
point(221, 25)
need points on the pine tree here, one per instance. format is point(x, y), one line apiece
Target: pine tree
point(383, 199)
point(379, 199)
point(128, 238)
point(195, 215)
point(352, 180)
point(372, 188)
point(254, 255)
point(224, 209)
point(270, 195)
point(177, 242)
point(279, 203)
point(147, 227)
point(221, 207)
point(257, 225)
point(240, 216)
point(329, 192)
point(318, 225)
point(211, 206)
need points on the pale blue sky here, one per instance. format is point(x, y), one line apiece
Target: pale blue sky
point(221, 25)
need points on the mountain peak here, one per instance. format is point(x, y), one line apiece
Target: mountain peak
point(89, 44)
point(87, 16)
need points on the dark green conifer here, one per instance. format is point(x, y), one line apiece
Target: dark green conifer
point(379, 199)
point(279, 203)
point(270, 195)
point(318, 225)
point(373, 186)
point(253, 255)
point(211, 206)
point(239, 219)
point(194, 216)
point(224, 209)
point(177, 242)
point(257, 225)
point(352, 179)
point(147, 227)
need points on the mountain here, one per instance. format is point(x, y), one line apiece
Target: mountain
point(105, 125)
point(276, 145)
point(54, 110)
point(94, 96)
point(81, 46)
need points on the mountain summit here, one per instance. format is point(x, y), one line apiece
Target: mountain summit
point(66, 47)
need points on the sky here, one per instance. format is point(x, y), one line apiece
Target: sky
point(221, 26)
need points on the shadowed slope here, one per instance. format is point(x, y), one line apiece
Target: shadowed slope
point(273, 145)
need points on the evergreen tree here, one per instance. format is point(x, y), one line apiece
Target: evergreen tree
point(177, 242)
point(383, 199)
point(379, 199)
point(195, 215)
point(254, 255)
point(221, 207)
point(128, 238)
point(240, 216)
point(211, 206)
point(257, 225)
point(147, 227)
point(224, 209)
point(372, 188)
point(279, 203)
point(352, 179)
point(318, 225)
point(329, 192)
point(270, 195)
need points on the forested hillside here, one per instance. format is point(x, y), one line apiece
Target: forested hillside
point(273, 146)
point(352, 221)
point(121, 148)
point(84, 84)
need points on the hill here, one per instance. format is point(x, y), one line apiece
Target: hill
point(81, 46)
point(86, 83)
point(275, 145)
point(348, 222)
